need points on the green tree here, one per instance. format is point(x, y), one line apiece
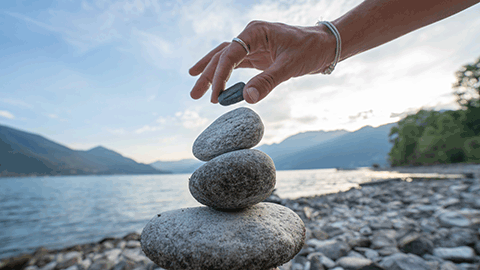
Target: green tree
point(467, 91)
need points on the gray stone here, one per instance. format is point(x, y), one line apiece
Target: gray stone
point(231, 95)
point(372, 255)
point(135, 255)
point(318, 259)
point(448, 266)
point(333, 249)
point(260, 237)
point(365, 230)
point(416, 244)
point(101, 265)
point(124, 265)
point(85, 264)
point(457, 254)
point(384, 238)
point(315, 263)
point(354, 263)
point(133, 244)
point(401, 261)
point(477, 247)
point(49, 266)
point(453, 219)
point(234, 180)
point(387, 251)
point(468, 266)
point(353, 253)
point(239, 129)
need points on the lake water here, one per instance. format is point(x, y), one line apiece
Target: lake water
point(62, 211)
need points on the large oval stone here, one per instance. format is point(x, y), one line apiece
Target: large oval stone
point(234, 180)
point(260, 237)
point(241, 128)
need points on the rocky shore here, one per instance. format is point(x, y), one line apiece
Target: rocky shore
point(395, 224)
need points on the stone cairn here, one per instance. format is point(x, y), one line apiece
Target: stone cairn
point(236, 230)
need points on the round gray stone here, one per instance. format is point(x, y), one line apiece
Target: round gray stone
point(239, 129)
point(260, 237)
point(234, 180)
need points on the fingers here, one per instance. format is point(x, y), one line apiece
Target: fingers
point(262, 84)
point(229, 58)
point(205, 80)
point(200, 65)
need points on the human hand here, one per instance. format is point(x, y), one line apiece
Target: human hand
point(281, 51)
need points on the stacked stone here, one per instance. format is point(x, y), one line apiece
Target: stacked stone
point(236, 230)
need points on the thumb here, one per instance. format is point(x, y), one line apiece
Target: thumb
point(261, 85)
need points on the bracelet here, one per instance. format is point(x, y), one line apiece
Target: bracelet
point(338, 49)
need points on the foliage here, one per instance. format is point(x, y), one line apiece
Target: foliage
point(431, 137)
point(468, 96)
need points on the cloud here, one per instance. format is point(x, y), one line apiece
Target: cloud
point(147, 128)
point(16, 102)
point(96, 23)
point(361, 115)
point(307, 119)
point(191, 119)
point(7, 114)
point(56, 117)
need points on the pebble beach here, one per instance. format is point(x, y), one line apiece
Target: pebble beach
point(420, 223)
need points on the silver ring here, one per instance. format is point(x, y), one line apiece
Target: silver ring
point(239, 41)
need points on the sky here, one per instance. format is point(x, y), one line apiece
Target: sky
point(115, 73)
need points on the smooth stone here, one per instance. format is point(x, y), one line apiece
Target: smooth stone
point(260, 237)
point(453, 219)
point(416, 244)
point(456, 254)
point(354, 263)
point(331, 248)
point(318, 259)
point(232, 95)
point(384, 238)
point(241, 128)
point(401, 261)
point(234, 180)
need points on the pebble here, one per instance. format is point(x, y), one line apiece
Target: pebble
point(238, 129)
point(402, 261)
point(353, 210)
point(234, 180)
point(232, 95)
point(456, 254)
point(260, 237)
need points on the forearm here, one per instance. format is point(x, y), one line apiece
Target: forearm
point(375, 22)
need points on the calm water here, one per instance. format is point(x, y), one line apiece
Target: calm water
point(57, 212)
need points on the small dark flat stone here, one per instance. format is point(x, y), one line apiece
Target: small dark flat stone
point(232, 95)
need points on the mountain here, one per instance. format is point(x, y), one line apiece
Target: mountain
point(23, 153)
point(299, 142)
point(361, 148)
point(315, 150)
point(181, 166)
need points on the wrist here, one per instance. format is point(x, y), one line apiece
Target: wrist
point(327, 46)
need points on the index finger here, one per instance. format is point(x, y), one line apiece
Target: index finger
point(202, 63)
point(231, 56)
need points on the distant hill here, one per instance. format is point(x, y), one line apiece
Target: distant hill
point(181, 166)
point(360, 148)
point(315, 150)
point(23, 153)
point(299, 142)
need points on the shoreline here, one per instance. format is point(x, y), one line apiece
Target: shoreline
point(433, 222)
point(456, 168)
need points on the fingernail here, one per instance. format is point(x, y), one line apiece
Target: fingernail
point(253, 94)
